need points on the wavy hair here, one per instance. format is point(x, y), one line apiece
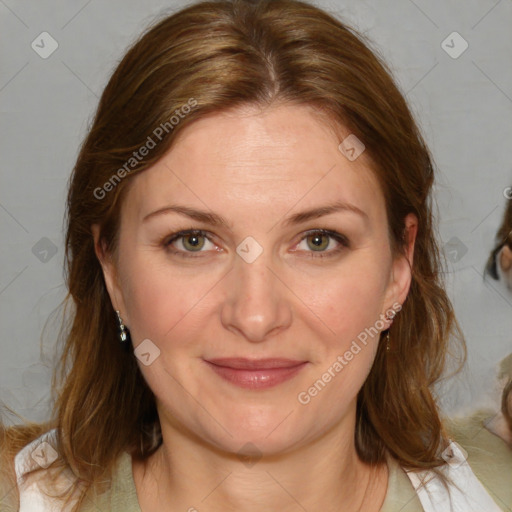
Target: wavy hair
point(222, 55)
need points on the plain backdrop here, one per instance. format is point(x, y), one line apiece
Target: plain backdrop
point(462, 98)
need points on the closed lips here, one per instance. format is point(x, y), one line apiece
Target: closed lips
point(255, 364)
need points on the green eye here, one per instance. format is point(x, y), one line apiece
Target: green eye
point(193, 242)
point(321, 243)
point(189, 241)
point(318, 241)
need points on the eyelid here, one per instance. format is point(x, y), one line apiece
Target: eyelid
point(184, 232)
point(341, 239)
point(168, 241)
point(328, 232)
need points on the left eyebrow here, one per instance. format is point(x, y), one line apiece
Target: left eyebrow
point(321, 211)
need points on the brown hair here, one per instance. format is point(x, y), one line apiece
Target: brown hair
point(225, 54)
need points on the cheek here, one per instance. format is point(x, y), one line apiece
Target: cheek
point(350, 305)
point(161, 300)
point(348, 299)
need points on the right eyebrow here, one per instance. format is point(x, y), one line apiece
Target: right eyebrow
point(199, 215)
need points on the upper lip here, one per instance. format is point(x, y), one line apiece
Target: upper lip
point(241, 363)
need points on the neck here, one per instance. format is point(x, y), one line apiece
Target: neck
point(327, 475)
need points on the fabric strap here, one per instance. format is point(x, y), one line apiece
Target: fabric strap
point(465, 492)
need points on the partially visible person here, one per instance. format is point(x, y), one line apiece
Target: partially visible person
point(499, 264)
point(500, 423)
point(499, 267)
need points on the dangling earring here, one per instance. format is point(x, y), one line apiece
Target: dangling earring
point(124, 333)
point(390, 318)
point(388, 348)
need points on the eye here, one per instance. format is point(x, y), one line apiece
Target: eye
point(315, 243)
point(323, 242)
point(189, 241)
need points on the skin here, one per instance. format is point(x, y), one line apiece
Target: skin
point(506, 258)
point(256, 168)
point(506, 264)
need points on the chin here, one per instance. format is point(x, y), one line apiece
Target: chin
point(254, 445)
point(268, 433)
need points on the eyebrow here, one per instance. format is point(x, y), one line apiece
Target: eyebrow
point(321, 211)
point(298, 218)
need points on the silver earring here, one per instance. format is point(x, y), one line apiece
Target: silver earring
point(124, 333)
point(388, 348)
point(389, 317)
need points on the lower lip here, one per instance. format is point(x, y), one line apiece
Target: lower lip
point(256, 379)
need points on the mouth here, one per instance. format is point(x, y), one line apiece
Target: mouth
point(256, 373)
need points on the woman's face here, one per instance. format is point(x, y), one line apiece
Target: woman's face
point(258, 329)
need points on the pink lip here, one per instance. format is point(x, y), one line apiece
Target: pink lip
point(256, 373)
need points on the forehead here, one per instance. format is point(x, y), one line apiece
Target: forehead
point(252, 158)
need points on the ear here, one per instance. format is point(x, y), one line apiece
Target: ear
point(109, 271)
point(401, 271)
point(506, 258)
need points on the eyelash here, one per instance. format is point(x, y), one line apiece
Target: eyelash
point(338, 237)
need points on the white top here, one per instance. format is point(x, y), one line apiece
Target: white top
point(40, 453)
point(466, 492)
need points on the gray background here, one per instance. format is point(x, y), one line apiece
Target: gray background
point(463, 105)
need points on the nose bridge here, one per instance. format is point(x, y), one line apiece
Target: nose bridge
point(256, 280)
point(255, 304)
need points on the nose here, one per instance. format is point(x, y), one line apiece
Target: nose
point(256, 304)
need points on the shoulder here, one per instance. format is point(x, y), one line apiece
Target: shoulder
point(37, 464)
point(37, 477)
point(40, 474)
point(40, 453)
point(121, 494)
point(488, 455)
point(19, 458)
point(43, 482)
